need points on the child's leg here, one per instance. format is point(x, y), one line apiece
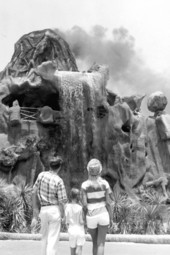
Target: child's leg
point(79, 250)
point(102, 230)
point(72, 242)
point(94, 234)
point(73, 251)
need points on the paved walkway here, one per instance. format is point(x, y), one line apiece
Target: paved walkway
point(22, 247)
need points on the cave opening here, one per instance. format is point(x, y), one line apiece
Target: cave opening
point(34, 98)
point(126, 127)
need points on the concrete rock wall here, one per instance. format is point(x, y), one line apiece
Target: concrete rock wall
point(85, 121)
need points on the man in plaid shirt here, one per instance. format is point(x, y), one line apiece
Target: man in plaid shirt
point(50, 191)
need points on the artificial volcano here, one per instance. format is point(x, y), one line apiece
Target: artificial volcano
point(48, 106)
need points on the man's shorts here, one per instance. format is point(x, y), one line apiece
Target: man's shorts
point(76, 236)
point(99, 219)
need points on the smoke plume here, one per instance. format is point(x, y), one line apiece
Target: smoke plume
point(129, 73)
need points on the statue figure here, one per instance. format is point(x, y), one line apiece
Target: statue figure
point(138, 140)
point(14, 114)
point(14, 122)
point(158, 127)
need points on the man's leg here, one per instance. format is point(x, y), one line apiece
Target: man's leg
point(54, 226)
point(94, 233)
point(102, 230)
point(44, 231)
point(53, 238)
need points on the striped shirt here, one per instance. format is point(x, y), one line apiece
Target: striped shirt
point(95, 191)
point(50, 189)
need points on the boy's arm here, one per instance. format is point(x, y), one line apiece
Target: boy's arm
point(82, 217)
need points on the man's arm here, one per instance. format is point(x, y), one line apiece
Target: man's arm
point(62, 198)
point(35, 203)
point(62, 211)
point(36, 209)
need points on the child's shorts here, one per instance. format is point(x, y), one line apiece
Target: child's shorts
point(76, 236)
point(101, 219)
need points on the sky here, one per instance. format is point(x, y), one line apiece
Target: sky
point(132, 37)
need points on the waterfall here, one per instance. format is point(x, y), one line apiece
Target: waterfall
point(80, 94)
point(73, 108)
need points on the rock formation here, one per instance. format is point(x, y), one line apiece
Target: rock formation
point(71, 113)
point(158, 133)
point(37, 47)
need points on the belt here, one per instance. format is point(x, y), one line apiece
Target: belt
point(49, 205)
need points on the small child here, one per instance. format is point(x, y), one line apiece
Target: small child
point(74, 220)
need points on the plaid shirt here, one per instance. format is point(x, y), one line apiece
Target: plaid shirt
point(50, 189)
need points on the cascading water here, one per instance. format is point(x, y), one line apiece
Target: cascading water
point(79, 93)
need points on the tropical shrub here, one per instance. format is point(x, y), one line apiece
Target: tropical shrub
point(145, 215)
point(15, 208)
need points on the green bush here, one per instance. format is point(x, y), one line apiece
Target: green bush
point(15, 208)
point(145, 215)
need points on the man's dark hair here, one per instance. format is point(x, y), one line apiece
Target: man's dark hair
point(55, 162)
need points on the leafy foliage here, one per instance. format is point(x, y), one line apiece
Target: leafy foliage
point(145, 215)
point(15, 208)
